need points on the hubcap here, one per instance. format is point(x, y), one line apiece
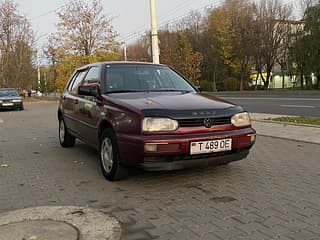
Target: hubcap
point(61, 131)
point(107, 155)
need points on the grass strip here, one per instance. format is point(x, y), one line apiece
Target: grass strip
point(299, 120)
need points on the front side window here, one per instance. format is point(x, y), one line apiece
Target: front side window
point(73, 87)
point(140, 78)
point(92, 76)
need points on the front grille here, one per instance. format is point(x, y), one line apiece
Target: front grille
point(198, 122)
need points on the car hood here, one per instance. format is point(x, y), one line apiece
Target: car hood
point(176, 104)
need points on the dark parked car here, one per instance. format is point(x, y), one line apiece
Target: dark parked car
point(10, 99)
point(149, 115)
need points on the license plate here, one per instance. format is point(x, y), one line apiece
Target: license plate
point(211, 146)
point(7, 104)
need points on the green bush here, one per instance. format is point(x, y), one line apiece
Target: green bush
point(206, 86)
point(231, 84)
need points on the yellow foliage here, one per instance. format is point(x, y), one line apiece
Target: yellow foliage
point(69, 63)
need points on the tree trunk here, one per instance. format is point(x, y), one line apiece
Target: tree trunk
point(241, 82)
point(301, 80)
point(263, 80)
point(282, 80)
point(266, 84)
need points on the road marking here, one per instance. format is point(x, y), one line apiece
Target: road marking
point(1, 121)
point(287, 99)
point(297, 106)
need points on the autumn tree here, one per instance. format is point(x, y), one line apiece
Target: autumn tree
point(298, 55)
point(271, 27)
point(16, 48)
point(138, 51)
point(229, 31)
point(312, 39)
point(84, 29)
point(176, 52)
point(84, 35)
point(192, 26)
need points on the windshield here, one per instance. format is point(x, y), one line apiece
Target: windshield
point(144, 78)
point(8, 93)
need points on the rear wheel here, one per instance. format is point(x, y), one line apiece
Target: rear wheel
point(111, 166)
point(65, 138)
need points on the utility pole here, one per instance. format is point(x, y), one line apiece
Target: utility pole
point(154, 33)
point(38, 63)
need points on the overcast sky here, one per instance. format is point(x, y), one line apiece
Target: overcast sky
point(130, 16)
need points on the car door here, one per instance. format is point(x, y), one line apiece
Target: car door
point(89, 109)
point(70, 102)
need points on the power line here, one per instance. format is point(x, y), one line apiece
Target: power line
point(173, 20)
point(142, 28)
point(49, 12)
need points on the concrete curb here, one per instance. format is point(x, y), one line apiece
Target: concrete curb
point(288, 123)
point(283, 130)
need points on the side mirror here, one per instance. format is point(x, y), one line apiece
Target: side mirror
point(88, 90)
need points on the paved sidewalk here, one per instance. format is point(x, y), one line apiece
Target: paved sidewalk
point(298, 132)
point(273, 194)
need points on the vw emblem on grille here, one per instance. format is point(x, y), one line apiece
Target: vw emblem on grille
point(207, 122)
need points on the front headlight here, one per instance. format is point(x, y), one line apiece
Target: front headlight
point(241, 119)
point(150, 124)
point(16, 100)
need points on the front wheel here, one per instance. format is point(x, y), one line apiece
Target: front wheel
point(65, 138)
point(109, 157)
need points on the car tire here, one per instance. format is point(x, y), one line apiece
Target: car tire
point(65, 138)
point(111, 166)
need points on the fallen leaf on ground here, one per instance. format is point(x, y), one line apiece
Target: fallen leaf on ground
point(4, 165)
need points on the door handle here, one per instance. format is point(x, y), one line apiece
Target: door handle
point(76, 101)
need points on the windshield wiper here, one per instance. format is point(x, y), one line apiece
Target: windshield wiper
point(123, 91)
point(170, 90)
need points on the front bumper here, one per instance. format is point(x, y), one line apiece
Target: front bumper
point(162, 164)
point(6, 106)
point(173, 150)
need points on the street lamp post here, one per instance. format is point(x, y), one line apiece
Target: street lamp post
point(154, 33)
point(124, 51)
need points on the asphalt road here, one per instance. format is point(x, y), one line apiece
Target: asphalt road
point(300, 103)
point(273, 194)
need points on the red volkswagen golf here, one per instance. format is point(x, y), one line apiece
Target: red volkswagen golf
point(148, 115)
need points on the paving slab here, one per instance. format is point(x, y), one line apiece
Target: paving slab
point(273, 194)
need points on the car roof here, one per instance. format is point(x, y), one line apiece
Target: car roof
point(119, 62)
